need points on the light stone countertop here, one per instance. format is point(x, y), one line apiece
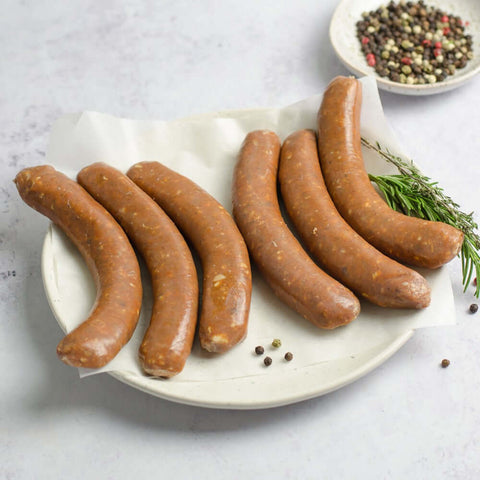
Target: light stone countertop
point(144, 59)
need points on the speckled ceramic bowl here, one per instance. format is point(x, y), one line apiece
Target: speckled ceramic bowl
point(345, 43)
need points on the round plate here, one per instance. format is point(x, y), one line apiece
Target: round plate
point(205, 149)
point(345, 43)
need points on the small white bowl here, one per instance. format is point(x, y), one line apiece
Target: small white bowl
point(343, 36)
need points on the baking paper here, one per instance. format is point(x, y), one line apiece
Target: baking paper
point(204, 148)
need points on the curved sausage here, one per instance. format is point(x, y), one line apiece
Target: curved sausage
point(410, 240)
point(109, 256)
point(334, 244)
point(169, 336)
point(287, 268)
point(227, 278)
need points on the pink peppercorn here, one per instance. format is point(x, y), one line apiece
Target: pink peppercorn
point(446, 30)
point(406, 60)
point(437, 52)
point(445, 19)
point(426, 43)
point(371, 59)
point(365, 40)
point(438, 45)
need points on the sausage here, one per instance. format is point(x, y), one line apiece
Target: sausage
point(410, 240)
point(169, 337)
point(227, 277)
point(109, 256)
point(333, 243)
point(287, 268)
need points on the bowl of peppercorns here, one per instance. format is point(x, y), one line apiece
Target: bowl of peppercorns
point(411, 47)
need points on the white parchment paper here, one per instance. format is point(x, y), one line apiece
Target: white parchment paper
point(204, 148)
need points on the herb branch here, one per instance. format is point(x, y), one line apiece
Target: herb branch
point(414, 194)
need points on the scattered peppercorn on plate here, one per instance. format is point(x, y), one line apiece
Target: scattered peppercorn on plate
point(412, 48)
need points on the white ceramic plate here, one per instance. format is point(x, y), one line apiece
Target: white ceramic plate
point(345, 43)
point(248, 392)
point(205, 149)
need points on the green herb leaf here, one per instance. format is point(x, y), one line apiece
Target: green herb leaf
point(414, 194)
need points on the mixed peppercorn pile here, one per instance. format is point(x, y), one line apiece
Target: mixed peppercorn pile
point(413, 43)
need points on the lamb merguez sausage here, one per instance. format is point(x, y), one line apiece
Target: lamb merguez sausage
point(227, 278)
point(410, 240)
point(109, 256)
point(169, 337)
point(334, 244)
point(287, 268)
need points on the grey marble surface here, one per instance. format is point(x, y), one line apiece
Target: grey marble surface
point(145, 59)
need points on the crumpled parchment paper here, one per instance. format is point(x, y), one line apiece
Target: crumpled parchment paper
point(204, 148)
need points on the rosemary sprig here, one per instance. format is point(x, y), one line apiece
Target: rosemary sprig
point(415, 194)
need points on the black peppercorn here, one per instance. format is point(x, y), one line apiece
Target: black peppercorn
point(445, 363)
point(473, 308)
point(288, 356)
point(267, 361)
point(430, 38)
point(259, 350)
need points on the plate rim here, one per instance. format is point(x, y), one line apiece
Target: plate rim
point(341, 382)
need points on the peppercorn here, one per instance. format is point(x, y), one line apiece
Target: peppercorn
point(259, 350)
point(418, 32)
point(473, 308)
point(276, 343)
point(445, 363)
point(288, 356)
point(371, 59)
point(267, 361)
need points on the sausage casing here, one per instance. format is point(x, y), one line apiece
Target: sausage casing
point(285, 265)
point(169, 337)
point(409, 240)
point(227, 278)
point(109, 256)
point(334, 244)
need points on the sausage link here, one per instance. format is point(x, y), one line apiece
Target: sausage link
point(227, 280)
point(334, 244)
point(287, 268)
point(169, 337)
point(109, 256)
point(410, 240)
